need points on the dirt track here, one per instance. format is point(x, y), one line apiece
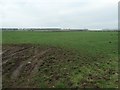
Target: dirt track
point(21, 63)
point(33, 66)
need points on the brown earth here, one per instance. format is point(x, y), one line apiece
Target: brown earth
point(21, 63)
point(35, 66)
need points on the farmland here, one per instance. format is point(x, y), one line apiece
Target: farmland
point(60, 59)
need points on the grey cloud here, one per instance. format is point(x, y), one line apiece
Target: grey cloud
point(64, 14)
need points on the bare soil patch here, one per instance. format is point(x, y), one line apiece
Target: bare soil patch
point(22, 63)
point(35, 66)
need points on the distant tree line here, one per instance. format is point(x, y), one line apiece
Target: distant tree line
point(52, 29)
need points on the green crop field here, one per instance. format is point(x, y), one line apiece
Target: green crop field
point(95, 57)
point(92, 42)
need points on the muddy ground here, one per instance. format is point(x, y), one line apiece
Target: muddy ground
point(22, 64)
point(34, 66)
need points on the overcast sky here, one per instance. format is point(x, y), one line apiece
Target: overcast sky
point(92, 14)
